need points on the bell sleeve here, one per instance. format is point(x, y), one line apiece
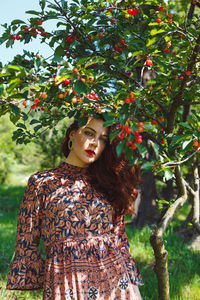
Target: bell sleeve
point(27, 269)
point(121, 241)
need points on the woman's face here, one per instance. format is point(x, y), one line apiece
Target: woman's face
point(88, 142)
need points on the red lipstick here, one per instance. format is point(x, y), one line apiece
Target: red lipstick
point(90, 152)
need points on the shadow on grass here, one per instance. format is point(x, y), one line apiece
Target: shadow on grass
point(183, 265)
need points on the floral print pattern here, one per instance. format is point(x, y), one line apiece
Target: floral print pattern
point(87, 249)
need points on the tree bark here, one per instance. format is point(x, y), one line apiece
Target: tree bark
point(161, 266)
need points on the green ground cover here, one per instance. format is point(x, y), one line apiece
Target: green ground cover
point(184, 262)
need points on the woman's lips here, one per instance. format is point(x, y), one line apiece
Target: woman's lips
point(90, 152)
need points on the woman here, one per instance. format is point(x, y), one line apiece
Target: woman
point(78, 210)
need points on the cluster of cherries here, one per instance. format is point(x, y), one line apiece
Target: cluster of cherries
point(33, 30)
point(119, 47)
point(126, 131)
point(196, 144)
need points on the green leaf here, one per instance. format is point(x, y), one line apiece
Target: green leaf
point(13, 84)
point(34, 121)
point(155, 148)
point(59, 51)
point(177, 139)
point(32, 12)
point(17, 21)
point(21, 125)
point(15, 109)
point(186, 125)
point(1, 88)
point(147, 166)
point(156, 31)
point(42, 4)
point(151, 41)
point(168, 174)
point(114, 134)
point(80, 87)
point(82, 121)
point(36, 128)
point(120, 147)
point(148, 127)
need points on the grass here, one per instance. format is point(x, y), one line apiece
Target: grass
point(184, 262)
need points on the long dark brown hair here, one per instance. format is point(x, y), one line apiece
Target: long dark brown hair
point(111, 175)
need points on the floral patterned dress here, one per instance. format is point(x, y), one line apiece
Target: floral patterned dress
point(87, 250)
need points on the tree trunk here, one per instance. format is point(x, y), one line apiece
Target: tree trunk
point(161, 266)
point(156, 240)
point(147, 211)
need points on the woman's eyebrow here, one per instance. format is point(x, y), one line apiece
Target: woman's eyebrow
point(95, 131)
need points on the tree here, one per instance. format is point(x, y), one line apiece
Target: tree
point(101, 51)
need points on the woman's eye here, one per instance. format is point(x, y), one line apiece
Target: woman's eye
point(88, 133)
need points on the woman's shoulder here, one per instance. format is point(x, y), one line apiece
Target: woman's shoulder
point(43, 176)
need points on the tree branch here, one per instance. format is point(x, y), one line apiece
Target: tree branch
point(180, 95)
point(174, 207)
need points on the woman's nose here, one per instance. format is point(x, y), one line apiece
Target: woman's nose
point(94, 142)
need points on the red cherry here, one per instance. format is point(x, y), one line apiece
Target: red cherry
point(180, 36)
point(43, 33)
point(127, 100)
point(100, 35)
point(123, 127)
point(161, 118)
point(148, 62)
point(33, 29)
point(158, 21)
point(174, 53)
point(69, 39)
point(188, 73)
point(135, 12)
point(132, 100)
point(133, 146)
point(66, 81)
point(18, 37)
point(162, 142)
point(181, 78)
point(160, 8)
point(39, 23)
point(109, 9)
point(122, 41)
point(136, 133)
point(140, 124)
point(26, 28)
point(113, 20)
point(74, 92)
point(101, 30)
point(36, 100)
point(130, 11)
point(128, 130)
point(122, 135)
point(139, 139)
point(154, 122)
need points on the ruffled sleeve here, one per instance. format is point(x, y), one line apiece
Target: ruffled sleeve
point(27, 269)
point(121, 241)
